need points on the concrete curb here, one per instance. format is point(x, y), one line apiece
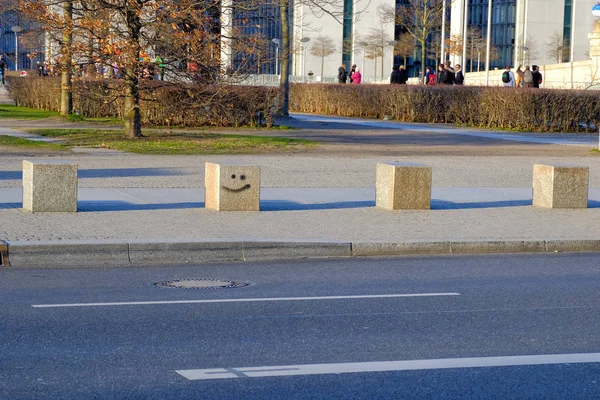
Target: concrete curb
point(81, 253)
point(98, 253)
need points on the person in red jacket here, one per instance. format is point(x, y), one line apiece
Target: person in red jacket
point(356, 76)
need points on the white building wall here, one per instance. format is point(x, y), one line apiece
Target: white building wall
point(310, 24)
point(584, 25)
point(366, 21)
point(544, 18)
point(457, 26)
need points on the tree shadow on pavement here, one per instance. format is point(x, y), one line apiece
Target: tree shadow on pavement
point(449, 205)
point(97, 206)
point(287, 205)
point(6, 206)
point(106, 173)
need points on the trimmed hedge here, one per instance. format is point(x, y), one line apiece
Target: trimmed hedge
point(489, 107)
point(161, 104)
point(522, 109)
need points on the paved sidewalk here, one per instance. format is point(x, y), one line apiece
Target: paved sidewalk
point(136, 209)
point(4, 99)
point(312, 206)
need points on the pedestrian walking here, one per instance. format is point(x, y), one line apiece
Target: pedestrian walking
point(342, 74)
point(519, 77)
point(508, 77)
point(395, 76)
point(352, 70)
point(528, 77)
point(3, 67)
point(450, 75)
point(460, 77)
point(403, 75)
point(40, 68)
point(537, 77)
point(429, 76)
point(356, 76)
point(442, 75)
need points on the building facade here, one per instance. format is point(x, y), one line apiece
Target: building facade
point(358, 31)
point(525, 31)
point(21, 43)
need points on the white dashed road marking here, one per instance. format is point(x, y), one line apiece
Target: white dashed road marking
point(144, 303)
point(386, 366)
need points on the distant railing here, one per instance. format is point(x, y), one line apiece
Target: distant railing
point(273, 80)
point(494, 80)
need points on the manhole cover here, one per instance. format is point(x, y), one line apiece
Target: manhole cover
point(200, 284)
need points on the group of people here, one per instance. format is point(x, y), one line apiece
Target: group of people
point(530, 77)
point(353, 75)
point(445, 75)
point(399, 76)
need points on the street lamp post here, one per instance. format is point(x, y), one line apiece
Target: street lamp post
point(363, 45)
point(277, 43)
point(465, 34)
point(572, 39)
point(304, 40)
point(443, 55)
point(16, 29)
point(489, 44)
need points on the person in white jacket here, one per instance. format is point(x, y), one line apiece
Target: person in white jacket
point(508, 78)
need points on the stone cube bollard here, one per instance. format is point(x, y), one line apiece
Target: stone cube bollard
point(232, 187)
point(403, 186)
point(49, 186)
point(560, 186)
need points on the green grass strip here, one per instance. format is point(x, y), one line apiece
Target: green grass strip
point(175, 143)
point(15, 112)
point(22, 142)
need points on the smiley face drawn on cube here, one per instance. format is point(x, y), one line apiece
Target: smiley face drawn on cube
point(232, 187)
point(235, 182)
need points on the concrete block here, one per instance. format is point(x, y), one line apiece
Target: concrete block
point(403, 186)
point(3, 254)
point(232, 187)
point(49, 186)
point(560, 186)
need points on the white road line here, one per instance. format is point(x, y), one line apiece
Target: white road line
point(144, 303)
point(383, 366)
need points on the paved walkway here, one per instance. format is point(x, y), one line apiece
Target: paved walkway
point(4, 99)
point(127, 198)
point(306, 198)
point(586, 140)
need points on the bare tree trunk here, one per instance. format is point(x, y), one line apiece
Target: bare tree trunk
point(471, 57)
point(423, 60)
point(131, 115)
point(66, 87)
point(284, 82)
point(322, 66)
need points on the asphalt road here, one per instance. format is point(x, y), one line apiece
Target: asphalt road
point(66, 334)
